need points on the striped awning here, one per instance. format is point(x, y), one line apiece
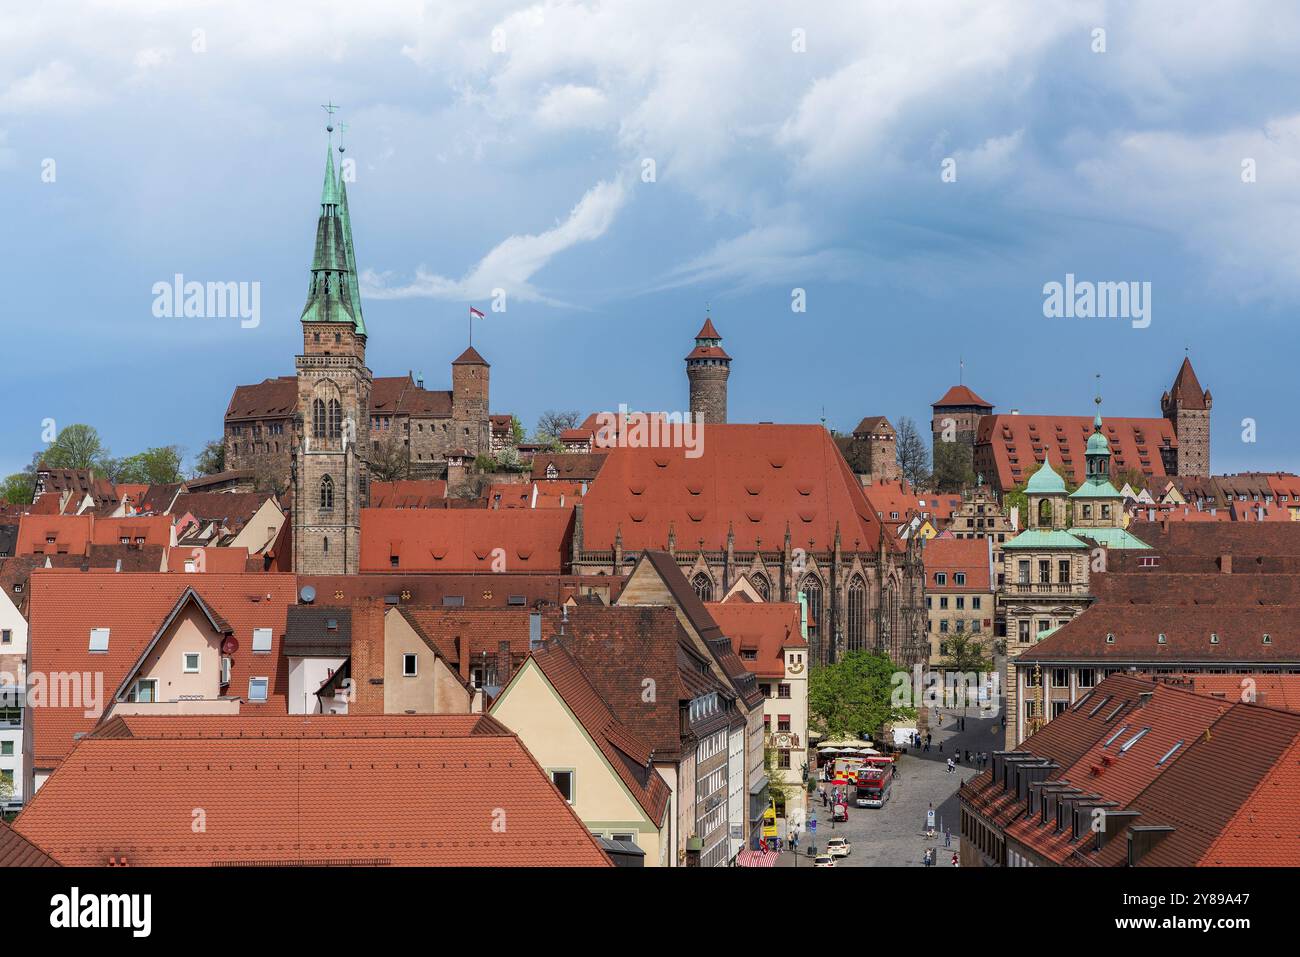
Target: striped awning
point(750, 858)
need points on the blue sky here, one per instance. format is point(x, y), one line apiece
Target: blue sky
point(502, 145)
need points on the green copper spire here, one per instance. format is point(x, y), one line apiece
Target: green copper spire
point(353, 286)
point(330, 296)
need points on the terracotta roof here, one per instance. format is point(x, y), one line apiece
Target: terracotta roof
point(231, 509)
point(459, 634)
point(968, 556)
point(756, 480)
point(65, 607)
point(270, 398)
point(763, 629)
point(629, 754)
point(1019, 444)
point(962, 395)
point(894, 502)
point(462, 540)
point(271, 792)
point(572, 466)
point(1188, 630)
point(401, 395)
point(1263, 831)
point(484, 590)
point(228, 561)
point(408, 493)
point(469, 357)
point(1187, 390)
point(18, 851)
point(544, 494)
point(707, 331)
point(873, 424)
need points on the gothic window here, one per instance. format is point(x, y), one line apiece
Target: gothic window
point(703, 586)
point(327, 493)
point(336, 419)
point(812, 591)
point(762, 587)
point(857, 612)
point(318, 418)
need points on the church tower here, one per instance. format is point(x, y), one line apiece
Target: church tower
point(707, 369)
point(332, 424)
point(1188, 408)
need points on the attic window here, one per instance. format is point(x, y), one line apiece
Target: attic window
point(1268, 640)
point(1160, 638)
point(99, 639)
point(453, 601)
point(331, 624)
point(1111, 739)
point(1169, 754)
point(516, 600)
point(261, 640)
point(1110, 638)
point(1214, 637)
point(1099, 705)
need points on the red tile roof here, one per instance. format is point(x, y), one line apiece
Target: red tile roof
point(409, 493)
point(64, 608)
point(552, 494)
point(629, 754)
point(1263, 832)
point(224, 561)
point(463, 540)
point(74, 534)
point(1014, 446)
point(764, 629)
point(276, 792)
point(969, 556)
point(18, 851)
point(757, 480)
point(1187, 389)
point(962, 395)
point(571, 466)
point(469, 357)
point(483, 590)
point(270, 398)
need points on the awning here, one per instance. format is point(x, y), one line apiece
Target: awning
point(751, 858)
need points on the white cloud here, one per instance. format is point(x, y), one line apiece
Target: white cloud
point(512, 264)
point(54, 86)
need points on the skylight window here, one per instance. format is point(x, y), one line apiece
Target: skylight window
point(1111, 739)
point(1082, 701)
point(1099, 705)
point(99, 639)
point(1118, 708)
point(261, 640)
point(1133, 740)
point(1169, 754)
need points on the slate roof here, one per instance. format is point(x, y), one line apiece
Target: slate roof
point(317, 631)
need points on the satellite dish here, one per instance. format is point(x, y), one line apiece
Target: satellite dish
point(308, 594)
point(230, 645)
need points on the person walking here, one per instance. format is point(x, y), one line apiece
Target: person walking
point(954, 858)
point(947, 836)
point(950, 766)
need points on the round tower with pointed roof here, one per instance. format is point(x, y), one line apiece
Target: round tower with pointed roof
point(707, 369)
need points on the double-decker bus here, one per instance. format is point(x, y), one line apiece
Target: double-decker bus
point(873, 785)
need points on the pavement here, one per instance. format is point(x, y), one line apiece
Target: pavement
point(894, 836)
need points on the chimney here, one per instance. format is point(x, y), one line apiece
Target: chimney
point(462, 656)
point(504, 663)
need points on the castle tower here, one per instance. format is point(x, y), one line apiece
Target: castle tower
point(469, 402)
point(332, 423)
point(1188, 408)
point(876, 432)
point(956, 419)
point(707, 369)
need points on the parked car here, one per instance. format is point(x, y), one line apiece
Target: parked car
point(839, 847)
point(824, 860)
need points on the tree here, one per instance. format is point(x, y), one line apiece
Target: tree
point(389, 459)
point(910, 450)
point(952, 467)
point(156, 466)
point(517, 434)
point(212, 459)
point(18, 488)
point(780, 790)
point(552, 423)
point(76, 447)
point(854, 695)
point(1135, 478)
point(967, 654)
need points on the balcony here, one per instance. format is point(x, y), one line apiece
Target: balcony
point(1058, 589)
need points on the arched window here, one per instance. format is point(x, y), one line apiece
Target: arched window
point(762, 587)
point(336, 419)
point(857, 614)
point(703, 586)
point(318, 418)
point(812, 590)
point(1044, 512)
point(327, 492)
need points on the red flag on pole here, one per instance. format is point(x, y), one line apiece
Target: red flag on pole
point(475, 313)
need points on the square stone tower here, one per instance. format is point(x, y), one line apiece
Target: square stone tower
point(1187, 407)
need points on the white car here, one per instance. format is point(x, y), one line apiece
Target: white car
point(824, 860)
point(839, 847)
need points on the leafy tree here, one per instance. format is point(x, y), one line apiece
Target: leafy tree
point(778, 788)
point(910, 451)
point(967, 654)
point(952, 467)
point(517, 434)
point(212, 459)
point(854, 695)
point(156, 466)
point(552, 423)
point(1135, 478)
point(19, 488)
point(1016, 498)
point(76, 447)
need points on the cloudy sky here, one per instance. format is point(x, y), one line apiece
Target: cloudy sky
point(793, 146)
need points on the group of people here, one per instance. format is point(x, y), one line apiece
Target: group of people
point(930, 858)
point(976, 759)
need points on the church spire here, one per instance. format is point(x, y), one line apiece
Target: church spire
point(331, 295)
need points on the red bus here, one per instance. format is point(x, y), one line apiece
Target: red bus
point(873, 785)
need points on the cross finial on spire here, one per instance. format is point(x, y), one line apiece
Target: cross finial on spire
point(961, 369)
point(343, 128)
point(329, 106)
